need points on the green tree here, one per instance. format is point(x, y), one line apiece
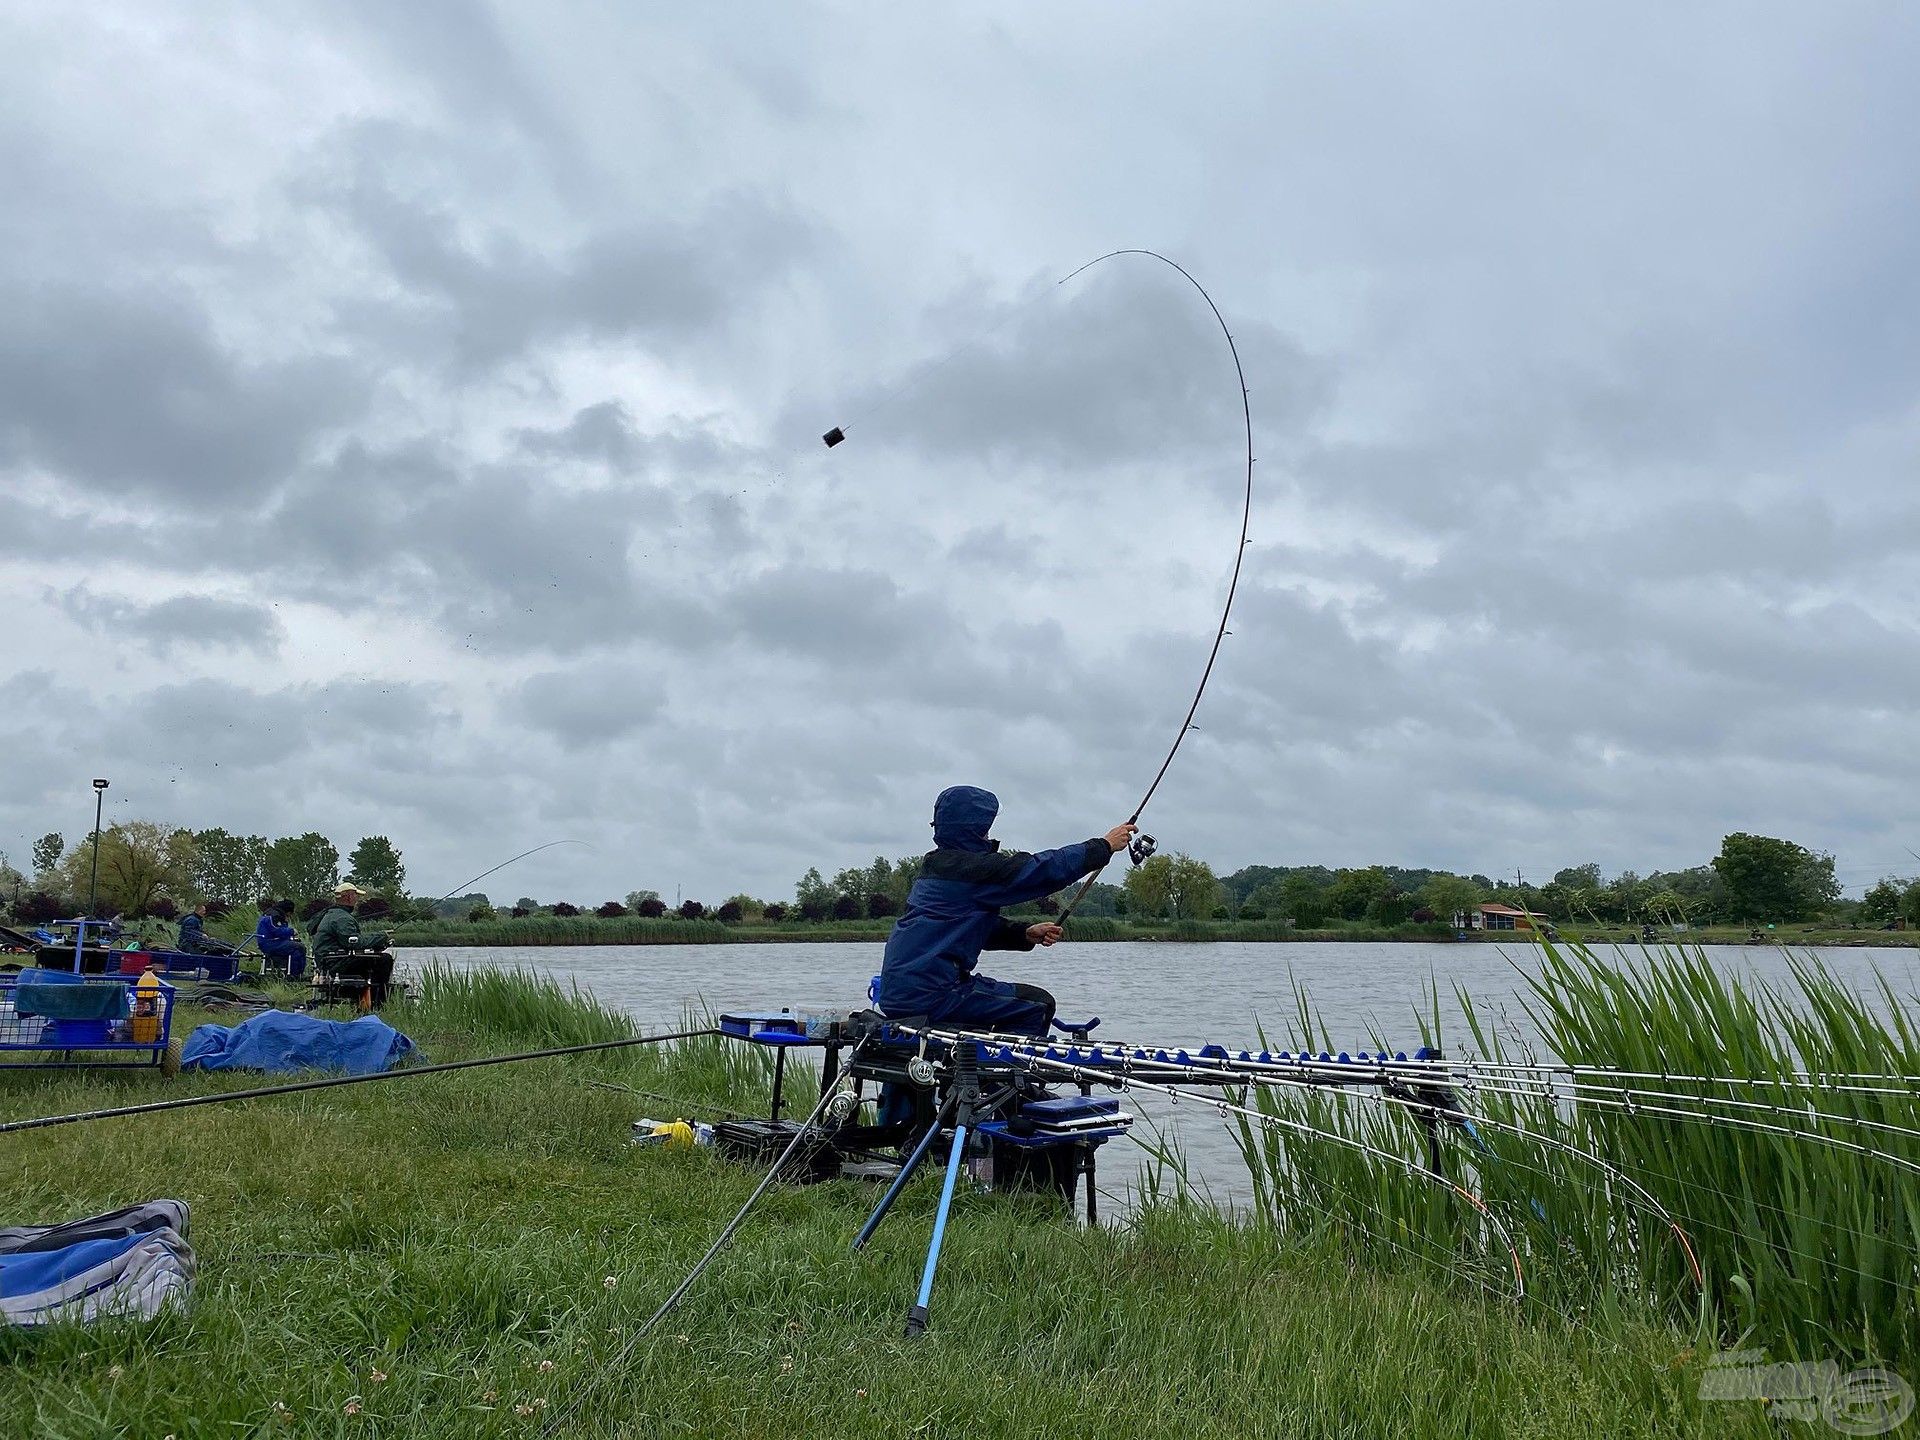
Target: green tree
point(300, 867)
point(1149, 888)
point(229, 868)
point(1769, 879)
point(375, 865)
point(1910, 904)
point(1193, 891)
point(1295, 896)
point(813, 895)
point(1882, 903)
point(635, 899)
point(47, 851)
point(1450, 895)
point(139, 861)
point(1353, 891)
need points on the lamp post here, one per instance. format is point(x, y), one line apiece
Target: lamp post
point(93, 884)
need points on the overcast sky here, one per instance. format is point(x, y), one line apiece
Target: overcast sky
point(409, 423)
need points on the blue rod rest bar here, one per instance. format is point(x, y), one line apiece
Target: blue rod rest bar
point(917, 1316)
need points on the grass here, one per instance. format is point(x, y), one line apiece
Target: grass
point(464, 1255)
point(1811, 1248)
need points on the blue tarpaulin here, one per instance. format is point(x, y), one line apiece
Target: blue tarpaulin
point(279, 1040)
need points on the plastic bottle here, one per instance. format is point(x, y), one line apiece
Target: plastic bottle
point(145, 1029)
point(672, 1134)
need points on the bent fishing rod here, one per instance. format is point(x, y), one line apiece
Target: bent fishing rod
point(503, 865)
point(1142, 847)
point(328, 1082)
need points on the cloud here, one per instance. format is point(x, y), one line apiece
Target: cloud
point(436, 397)
point(180, 622)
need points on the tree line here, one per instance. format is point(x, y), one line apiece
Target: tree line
point(148, 870)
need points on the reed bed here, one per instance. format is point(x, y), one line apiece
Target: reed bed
point(1801, 1199)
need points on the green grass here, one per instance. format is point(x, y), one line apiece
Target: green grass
point(463, 1255)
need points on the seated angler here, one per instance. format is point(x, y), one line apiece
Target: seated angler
point(953, 913)
point(342, 949)
point(277, 941)
point(193, 933)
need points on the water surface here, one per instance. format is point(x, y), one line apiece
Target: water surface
point(1169, 993)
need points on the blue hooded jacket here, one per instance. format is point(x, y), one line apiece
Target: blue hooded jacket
point(953, 909)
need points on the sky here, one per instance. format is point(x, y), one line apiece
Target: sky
point(410, 424)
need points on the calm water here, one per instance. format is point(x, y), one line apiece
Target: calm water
point(1168, 993)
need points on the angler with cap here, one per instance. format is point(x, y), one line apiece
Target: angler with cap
point(953, 913)
point(342, 949)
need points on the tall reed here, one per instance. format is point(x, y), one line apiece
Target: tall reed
point(1806, 1244)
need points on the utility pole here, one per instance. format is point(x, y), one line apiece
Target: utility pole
point(93, 884)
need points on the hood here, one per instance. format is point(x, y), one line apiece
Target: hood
point(962, 816)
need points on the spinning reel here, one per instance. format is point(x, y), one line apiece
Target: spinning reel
point(1140, 849)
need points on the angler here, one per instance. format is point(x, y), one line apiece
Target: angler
point(953, 913)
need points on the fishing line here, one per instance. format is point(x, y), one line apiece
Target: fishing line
point(329, 1082)
point(1254, 1074)
point(1142, 848)
point(503, 865)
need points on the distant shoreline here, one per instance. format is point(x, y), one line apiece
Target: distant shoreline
point(1202, 933)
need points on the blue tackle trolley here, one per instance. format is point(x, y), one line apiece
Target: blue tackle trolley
point(63, 1019)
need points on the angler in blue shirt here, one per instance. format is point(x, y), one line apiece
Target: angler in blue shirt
point(277, 941)
point(953, 913)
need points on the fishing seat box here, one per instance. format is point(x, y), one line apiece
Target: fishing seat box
point(759, 1143)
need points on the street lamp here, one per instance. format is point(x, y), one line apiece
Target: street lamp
point(93, 884)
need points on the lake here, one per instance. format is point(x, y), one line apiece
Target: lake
point(1169, 993)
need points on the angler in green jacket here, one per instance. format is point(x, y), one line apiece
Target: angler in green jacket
point(342, 948)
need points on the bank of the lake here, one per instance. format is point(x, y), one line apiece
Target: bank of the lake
point(545, 930)
point(464, 1255)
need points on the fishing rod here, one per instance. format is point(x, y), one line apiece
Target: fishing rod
point(1254, 1073)
point(155, 1107)
point(1142, 846)
point(1225, 1107)
point(503, 865)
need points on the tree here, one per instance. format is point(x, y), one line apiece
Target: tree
point(1910, 904)
point(692, 910)
point(47, 851)
point(879, 905)
point(1149, 887)
point(1353, 891)
point(1392, 908)
point(612, 910)
point(1450, 895)
point(638, 898)
point(1769, 879)
point(652, 908)
point(138, 860)
point(729, 913)
point(229, 867)
point(813, 895)
point(375, 865)
point(564, 910)
point(1882, 902)
point(480, 913)
point(750, 908)
point(846, 907)
point(520, 912)
point(39, 907)
point(775, 911)
point(302, 865)
point(1192, 889)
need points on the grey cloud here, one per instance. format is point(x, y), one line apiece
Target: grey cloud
point(130, 393)
point(183, 621)
point(584, 708)
point(1127, 365)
